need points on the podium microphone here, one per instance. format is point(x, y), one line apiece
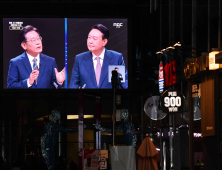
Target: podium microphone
point(114, 78)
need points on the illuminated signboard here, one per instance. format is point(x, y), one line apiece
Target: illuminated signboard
point(161, 78)
point(212, 64)
point(172, 101)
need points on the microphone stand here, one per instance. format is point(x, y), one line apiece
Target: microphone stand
point(114, 83)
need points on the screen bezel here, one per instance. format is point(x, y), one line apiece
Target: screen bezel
point(76, 14)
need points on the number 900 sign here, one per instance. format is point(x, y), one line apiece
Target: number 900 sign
point(172, 101)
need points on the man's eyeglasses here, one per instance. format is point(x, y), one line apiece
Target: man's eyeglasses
point(35, 40)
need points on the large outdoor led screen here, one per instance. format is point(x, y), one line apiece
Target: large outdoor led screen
point(86, 49)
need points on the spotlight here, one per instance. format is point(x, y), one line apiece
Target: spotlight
point(164, 49)
point(170, 47)
point(159, 52)
point(177, 44)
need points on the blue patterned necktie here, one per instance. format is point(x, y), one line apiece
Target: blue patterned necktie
point(35, 67)
point(34, 63)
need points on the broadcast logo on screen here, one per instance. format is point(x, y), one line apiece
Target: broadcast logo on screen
point(117, 25)
point(15, 25)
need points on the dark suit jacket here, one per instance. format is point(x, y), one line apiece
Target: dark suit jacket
point(20, 70)
point(118, 77)
point(83, 73)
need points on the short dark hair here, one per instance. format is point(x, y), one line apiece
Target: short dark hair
point(24, 31)
point(102, 29)
point(116, 68)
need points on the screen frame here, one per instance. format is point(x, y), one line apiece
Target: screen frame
point(77, 14)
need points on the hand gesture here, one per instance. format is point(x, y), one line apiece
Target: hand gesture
point(60, 76)
point(34, 74)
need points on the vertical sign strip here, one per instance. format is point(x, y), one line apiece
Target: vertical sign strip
point(66, 77)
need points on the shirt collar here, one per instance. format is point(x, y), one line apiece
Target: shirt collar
point(31, 57)
point(101, 56)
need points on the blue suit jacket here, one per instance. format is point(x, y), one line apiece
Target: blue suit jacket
point(20, 70)
point(83, 73)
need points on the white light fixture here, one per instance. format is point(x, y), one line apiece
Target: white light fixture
point(212, 65)
point(170, 47)
point(164, 49)
point(159, 52)
point(177, 44)
point(86, 116)
point(77, 116)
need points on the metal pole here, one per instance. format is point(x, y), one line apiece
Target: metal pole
point(170, 23)
point(161, 43)
point(60, 140)
point(171, 141)
point(98, 122)
point(161, 39)
point(194, 27)
point(219, 26)
point(80, 124)
point(191, 153)
point(155, 5)
point(3, 139)
point(161, 146)
point(164, 156)
point(151, 6)
point(114, 113)
point(181, 22)
point(208, 45)
point(173, 21)
point(181, 41)
point(141, 120)
point(10, 141)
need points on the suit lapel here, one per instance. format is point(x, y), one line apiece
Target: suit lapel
point(26, 63)
point(104, 72)
point(42, 65)
point(89, 68)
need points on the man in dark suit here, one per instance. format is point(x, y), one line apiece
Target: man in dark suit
point(32, 69)
point(90, 69)
point(119, 75)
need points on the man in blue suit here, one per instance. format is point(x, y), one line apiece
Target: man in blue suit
point(90, 69)
point(32, 69)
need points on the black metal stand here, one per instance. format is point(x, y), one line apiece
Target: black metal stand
point(114, 111)
point(114, 81)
